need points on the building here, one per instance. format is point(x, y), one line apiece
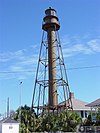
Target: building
point(79, 106)
point(95, 103)
point(9, 125)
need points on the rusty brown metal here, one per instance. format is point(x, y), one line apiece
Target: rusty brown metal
point(52, 68)
point(51, 24)
point(51, 84)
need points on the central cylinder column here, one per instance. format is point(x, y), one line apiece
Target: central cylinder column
point(53, 100)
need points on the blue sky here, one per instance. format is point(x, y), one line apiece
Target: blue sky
point(20, 38)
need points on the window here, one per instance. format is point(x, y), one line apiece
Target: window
point(10, 127)
point(82, 114)
point(85, 114)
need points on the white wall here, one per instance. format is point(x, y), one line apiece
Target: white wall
point(10, 128)
point(79, 112)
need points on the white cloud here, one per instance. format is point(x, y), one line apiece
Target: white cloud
point(26, 59)
point(94, 45)
point(18, 63)
point(4, 57)
point(16, 68)
point(77, 45)
point(76, 49)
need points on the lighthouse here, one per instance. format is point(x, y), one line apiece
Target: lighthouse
point(51, 83)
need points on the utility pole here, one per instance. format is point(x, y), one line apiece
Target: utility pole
point(8, 107)
point(20, 99)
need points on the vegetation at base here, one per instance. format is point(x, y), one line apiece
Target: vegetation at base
point(89, 122)
point(61, 121)
point(27, 117)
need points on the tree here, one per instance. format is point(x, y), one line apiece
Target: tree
point(98, 117)
point(90, 122)
point(27, 118)
point(62, 121)
point(50, 122)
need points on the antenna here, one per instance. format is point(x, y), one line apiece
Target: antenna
point(8, 107)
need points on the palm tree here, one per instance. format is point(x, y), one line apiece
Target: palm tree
point(27, 119)
point(62, 121)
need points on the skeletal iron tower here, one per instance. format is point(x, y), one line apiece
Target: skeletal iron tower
point(51, 86)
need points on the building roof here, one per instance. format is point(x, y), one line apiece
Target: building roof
point(78, 105)
point(8, 120)
point(94, 103)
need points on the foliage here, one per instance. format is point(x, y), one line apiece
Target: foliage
point(57, 121)
point(89, 122)
point(62, 121)
point(98, 116)
point(27, 118)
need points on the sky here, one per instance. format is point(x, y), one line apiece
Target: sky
point(20, 39)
